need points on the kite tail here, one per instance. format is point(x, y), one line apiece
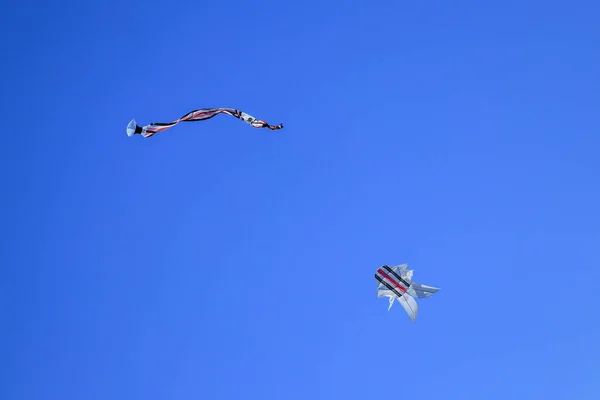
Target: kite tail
point(264, 124)
point(197, 115)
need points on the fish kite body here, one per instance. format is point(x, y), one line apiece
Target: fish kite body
point(197, 115)
point(396, 283)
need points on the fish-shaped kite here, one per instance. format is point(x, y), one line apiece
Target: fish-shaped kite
point(197, 115)
point(396, 283)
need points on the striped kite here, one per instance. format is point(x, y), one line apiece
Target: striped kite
point(396, 283)
point(197, 115)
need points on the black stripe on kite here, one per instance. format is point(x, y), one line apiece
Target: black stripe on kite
point(391, 271)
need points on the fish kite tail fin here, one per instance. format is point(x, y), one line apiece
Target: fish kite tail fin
point(410, 306)
point(421, 291)
point(391, 303)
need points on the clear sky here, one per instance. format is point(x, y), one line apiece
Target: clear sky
point(219, 261)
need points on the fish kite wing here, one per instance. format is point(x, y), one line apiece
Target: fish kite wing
point(197, 115)
point(396, 283)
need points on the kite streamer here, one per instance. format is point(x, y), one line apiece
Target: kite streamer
point(197, 115)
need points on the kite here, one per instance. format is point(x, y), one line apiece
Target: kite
point(197, 115)
point(396, 283)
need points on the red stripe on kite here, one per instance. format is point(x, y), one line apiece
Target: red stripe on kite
point(392, 280)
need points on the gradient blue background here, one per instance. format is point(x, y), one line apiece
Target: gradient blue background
point(218, 261)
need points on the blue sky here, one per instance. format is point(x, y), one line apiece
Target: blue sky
point(218, 261)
